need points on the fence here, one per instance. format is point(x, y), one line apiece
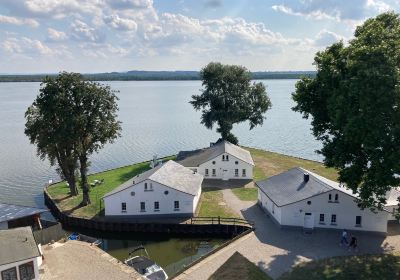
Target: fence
point(203, 226)
point(51, 231)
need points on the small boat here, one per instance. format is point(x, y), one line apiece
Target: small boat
point(145, 266)
point(86, 238)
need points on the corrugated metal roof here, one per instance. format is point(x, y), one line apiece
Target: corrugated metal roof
point(10, 212)
point(197, 157)
point(170, 174)
point(17, 244)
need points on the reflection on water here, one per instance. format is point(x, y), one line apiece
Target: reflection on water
point(156, 119)
point(170, 253)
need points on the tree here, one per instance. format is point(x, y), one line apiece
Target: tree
point(69, 120)
point(354, 104)
point(229, 98)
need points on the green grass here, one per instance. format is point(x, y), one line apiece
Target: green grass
point(112, 179)
point(238, 267)
point(246, 194)
point(211, 204)
point(269, 164)
point(366, 267)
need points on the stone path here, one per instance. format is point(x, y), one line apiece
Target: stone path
point(276, 250)
point(79, 260)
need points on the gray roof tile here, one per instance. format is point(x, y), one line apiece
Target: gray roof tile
point(10, 212)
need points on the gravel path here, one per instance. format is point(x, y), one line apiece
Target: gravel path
point(276, 250)
point(78, 260)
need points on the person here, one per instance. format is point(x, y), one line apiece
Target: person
point(343, 240)
point(353, 243)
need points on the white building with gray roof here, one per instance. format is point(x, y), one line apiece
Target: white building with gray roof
point(20, 256)
point(169, 189)
point(222, 160)
point(300, 198)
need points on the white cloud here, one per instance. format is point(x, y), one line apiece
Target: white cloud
point(80, 31)
point(25, 45)
point(120, 23)
point(339, 10)
point(326, 37)
point(56, 35)
point(18, 21)
point(130, 4)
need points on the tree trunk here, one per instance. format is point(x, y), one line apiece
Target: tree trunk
point(73, 189)
point(84, 180)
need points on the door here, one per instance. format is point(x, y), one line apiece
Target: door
point(225, 174)
point(308, 220)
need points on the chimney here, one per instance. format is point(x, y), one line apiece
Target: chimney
point(306, 177)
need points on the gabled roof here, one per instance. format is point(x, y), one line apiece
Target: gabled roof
point(289, 187)
point(170, 174)
point(17, 244)
point(197, 157)
point(10, 212)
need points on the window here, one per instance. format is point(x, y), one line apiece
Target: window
point(333, 219)
point(176, 205)
point(243, 172)
point(166, 192)
point(213, 162)
point(330, 197)
point(151, 186)
point(309, 202)
point(145, 186)
point(156, 206)
point(223, 157)
point(273, 208)
point(142, 207)
point(358, 221)
point(236, 162)
point(227, 158)
point(132, 193)
point(336, 198)
point(236, 172)
point(26, 271)
point(123, 206)
point(9, 274)
point(321, 218)
point(206, 172)
point(213, 172)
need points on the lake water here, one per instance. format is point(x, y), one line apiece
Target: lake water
point(157, 119)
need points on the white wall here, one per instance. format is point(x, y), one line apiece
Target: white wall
point(16, 264)
point(221, 165)
point(113, 202)
point(345, 210)
point(268, 205)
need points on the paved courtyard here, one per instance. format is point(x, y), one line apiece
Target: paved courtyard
point(276, 250)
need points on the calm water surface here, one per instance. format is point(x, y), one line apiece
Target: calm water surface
point(157, 119)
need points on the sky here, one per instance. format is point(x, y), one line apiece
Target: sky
point(92, 36)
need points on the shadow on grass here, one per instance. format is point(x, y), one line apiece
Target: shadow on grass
point(136, 170)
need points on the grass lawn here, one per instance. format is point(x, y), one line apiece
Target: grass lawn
point(366, 267)
point(112, 179)
point(238, 267)
point(269, 164)
point(246, 194)
point(212, 204)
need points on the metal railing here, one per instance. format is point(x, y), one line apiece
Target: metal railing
point(221, 221)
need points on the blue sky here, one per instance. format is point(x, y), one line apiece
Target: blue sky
point(41, 36)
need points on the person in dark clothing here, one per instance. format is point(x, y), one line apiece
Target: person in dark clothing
point(353, 243)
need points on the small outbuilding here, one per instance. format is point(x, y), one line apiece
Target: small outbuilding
point(300, 198)
point(222, 160)
point(169, 189)
point(12, 216)
point(20, 256)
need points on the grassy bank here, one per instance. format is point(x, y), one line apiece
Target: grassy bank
point(212, 204)
point(112, 179)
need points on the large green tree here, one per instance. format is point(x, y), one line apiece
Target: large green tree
point(229, 97)
point(70, 119)
point(354, 102)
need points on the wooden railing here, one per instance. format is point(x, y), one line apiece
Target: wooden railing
point(221, 221)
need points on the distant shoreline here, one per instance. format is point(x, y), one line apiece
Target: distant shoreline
point(155, 76)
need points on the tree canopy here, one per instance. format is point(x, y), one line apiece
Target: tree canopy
point(229, 97)
point(354, 104)
point(70, 119)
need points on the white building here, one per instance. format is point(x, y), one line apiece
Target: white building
point(300, 198)
point(169, 189)
point(222, 160)
point(20, 256)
